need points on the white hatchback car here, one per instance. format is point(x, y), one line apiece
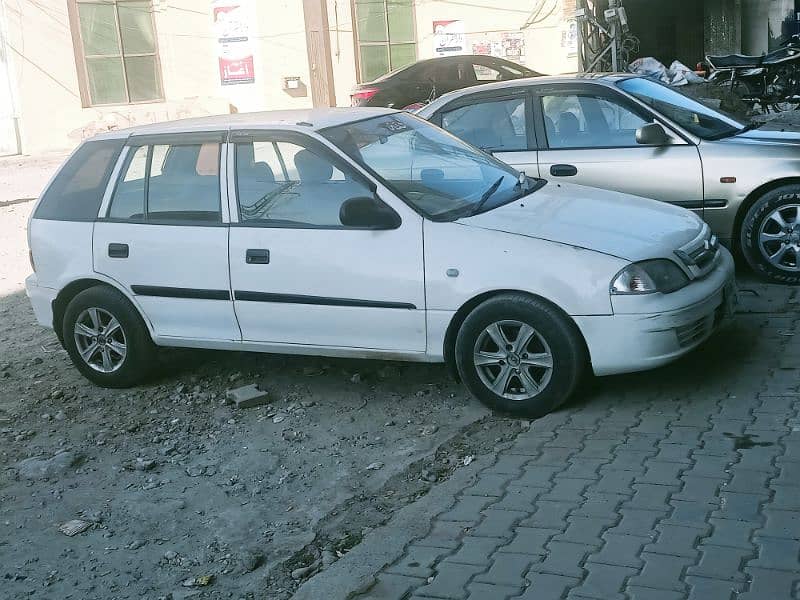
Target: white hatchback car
point(363, 233)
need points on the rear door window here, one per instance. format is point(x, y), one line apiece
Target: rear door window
point(170, 183)
point(77, 191)
point(495, 125)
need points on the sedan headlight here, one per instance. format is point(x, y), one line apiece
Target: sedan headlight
point(649, 277)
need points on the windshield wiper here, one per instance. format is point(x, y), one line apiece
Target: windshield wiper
point(487, 194)
point(732, 132)
point(750, 126)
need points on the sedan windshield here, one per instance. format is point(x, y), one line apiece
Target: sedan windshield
point(696, 118)
point(436, 173)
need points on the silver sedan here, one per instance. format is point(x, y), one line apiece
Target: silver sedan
point(632, 134)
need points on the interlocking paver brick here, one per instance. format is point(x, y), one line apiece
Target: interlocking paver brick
point(475, 551)
point(545, 586)
point(748, 481)
point(676, 541)
point(535, 475)
point(391, 587)
point(740, 507)
point(567, 438)
point(604, 582)
point(620, 550)
point(567, 490)
point(705, 589)
point(600, 505)
point(781, 524)
point(661, 473)
point(788, 474)
point(674, 453)
point(583, 468)
point(650, 497)
point(530, 541)
point(484, 591)
point(777, 554)
point(661, 571)
point(718, 562)
point(758, 458)
point(594, 448)
point(640, 593)
point(638, 522)
point(563, 558)
point(497, 523)
point(508, 569)
point(766, 584)
point(556, 457)
point(549, 514)
point(613, 482)
point(450, 581)
point(681, 435)
point(467, 509)
point(699, 489)
point(519, 499)
point(628, 460)
point(418, 561)
point(488, 484)
point(585, 530)
point(508, 464)
point(730, 533)
point(706, 465)
point(641, 442)
point(785, 498)
point(445, 534)
point(690, 514)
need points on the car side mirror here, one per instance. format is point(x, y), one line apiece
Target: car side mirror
point(652, 134)
point(364, 212)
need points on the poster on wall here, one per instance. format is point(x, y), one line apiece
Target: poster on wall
point(513, 44)
point(449, 38)
point(488, 48)
point(234, 46)
point(569, 37)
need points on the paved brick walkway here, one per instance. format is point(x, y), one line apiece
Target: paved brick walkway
point(683, 483)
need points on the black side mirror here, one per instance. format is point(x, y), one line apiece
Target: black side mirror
point(368, 213)
point(652, 134)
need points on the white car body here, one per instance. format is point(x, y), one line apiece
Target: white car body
point(395, 294)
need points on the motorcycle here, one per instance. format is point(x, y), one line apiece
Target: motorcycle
point(771, 81)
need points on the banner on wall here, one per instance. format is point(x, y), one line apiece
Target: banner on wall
point(449, 38)
point(234, 45)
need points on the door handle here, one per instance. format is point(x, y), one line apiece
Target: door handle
point(563, 170)
point(118, 251)
point(257, 256)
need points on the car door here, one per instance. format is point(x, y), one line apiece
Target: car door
point(301, 277)
point(588, 136)
point(500, 124)
point(163, 235)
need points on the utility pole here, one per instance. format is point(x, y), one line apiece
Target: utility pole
point(318, 47)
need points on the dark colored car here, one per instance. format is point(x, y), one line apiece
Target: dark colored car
point(428, 79)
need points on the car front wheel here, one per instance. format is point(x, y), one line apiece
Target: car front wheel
point(770, 237)
point(106, 338)
point(520, 355)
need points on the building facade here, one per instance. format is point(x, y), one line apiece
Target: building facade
point(72, 68)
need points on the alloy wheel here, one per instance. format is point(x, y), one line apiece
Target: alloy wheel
point(779, 238)
point(100, 340)
point(513, 360)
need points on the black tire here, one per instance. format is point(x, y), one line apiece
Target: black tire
point(140, 350)
point(556, 333)
point(755, 219)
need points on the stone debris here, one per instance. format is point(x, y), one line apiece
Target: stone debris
point(201, 581)
point(376, 466)
point(74, 527)
point(48, 468)
point(248, 396)
point(304, 572)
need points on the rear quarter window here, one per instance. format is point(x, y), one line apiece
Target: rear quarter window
point(77, 191)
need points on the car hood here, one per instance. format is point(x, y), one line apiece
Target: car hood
point(761, 137)
point(620, 225)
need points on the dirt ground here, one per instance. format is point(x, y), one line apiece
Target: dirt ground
point(180, 490)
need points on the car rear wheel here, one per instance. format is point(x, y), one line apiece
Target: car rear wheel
point(520, 355)
point(770, 237)
point(106, 338)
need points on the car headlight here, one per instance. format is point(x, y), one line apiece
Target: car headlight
point(649, 277)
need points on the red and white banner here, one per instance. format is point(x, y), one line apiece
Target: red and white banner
point(234, 46)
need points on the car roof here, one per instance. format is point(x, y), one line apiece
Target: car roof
point(600, 78)
point(313, 119)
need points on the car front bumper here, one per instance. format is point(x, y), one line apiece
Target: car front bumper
point(649, 331)
point(41, 299)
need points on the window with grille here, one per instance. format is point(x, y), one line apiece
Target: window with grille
point(117, 51)
point(386, 36)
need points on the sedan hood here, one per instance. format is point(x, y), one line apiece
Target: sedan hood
point(628, 227)
point(761, 136)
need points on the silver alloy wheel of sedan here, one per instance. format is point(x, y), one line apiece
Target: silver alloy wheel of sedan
point(779, 237)
point(513, 360)
point(100, 340)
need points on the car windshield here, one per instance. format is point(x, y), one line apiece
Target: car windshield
point(697, 118)
point(436, 173)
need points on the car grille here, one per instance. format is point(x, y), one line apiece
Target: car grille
point(700, 255)
point(692, 333)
